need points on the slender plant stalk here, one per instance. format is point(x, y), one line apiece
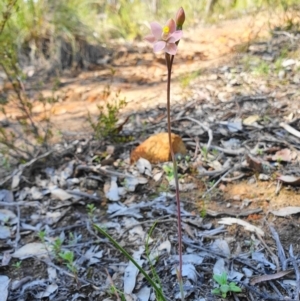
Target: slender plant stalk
point(169, 61)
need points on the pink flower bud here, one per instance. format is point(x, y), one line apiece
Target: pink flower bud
point(180, 18)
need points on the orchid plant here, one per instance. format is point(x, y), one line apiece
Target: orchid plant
point(166, 39)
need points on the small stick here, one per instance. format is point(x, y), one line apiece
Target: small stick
point(294, 263)
point(217, 182)
point(290, 129)
point(206, 128)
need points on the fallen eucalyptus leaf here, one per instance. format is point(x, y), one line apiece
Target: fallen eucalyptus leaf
point(30, 250)
point(4, 285)
point(290, 180)
point(4, 232)
point(286, 211)
point(246, 225)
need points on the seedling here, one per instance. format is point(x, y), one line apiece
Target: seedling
point(204, 152)
point(42, 236)
point(17, 265)
point(56, 246)
point(113, 291)
point(223, 286)
point(91, 211)
point(74, 238)
point(168, 169)
point(260, 151)
point(68, 258)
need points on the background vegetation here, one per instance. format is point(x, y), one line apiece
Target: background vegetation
point(54, 34)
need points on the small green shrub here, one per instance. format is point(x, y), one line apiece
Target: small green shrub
point(106, 124)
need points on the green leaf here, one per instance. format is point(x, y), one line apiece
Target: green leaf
point(234, 288)
point(218, 278)
point(221, 279)
point(216, 291)
point(224, 278)
point(224, 288)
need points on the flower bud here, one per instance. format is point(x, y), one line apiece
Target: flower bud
point(180, 18)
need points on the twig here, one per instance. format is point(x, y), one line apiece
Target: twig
point(84, 194)
point(290, 129)
point(268, 277)
point(230, 212)
point(263, 295)
point(196, 148)
point(26, 204)
point(49, 263)
point(233, 178)
point(112, 284)
point(234, 152)
point(297, 272)
point(6, 14)
point(217, 182)
point(18, 236)
point(23, 166)
point(206, 128)
point(280, 250)
point(100, 170)
point(270, 251)
point(163, 219)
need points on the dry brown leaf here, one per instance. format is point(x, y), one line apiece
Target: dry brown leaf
point(283, 155)
point(156, 148)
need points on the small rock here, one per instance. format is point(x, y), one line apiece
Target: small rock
point(222, 187)
point(212, 77)
point(91, 184)
point(223, 96)
point(281, 74)
point(288, 63)
point(268, 57)
point(224, 69)
point(246, 202)
point(251, 180)
point(263, 177)
point(236, 198)
point(210, 88)
point(258, 48)
point(296, 79)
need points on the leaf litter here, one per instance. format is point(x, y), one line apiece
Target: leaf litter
point(237, 135)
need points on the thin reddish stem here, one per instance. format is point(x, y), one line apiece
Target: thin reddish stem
point(169, 61)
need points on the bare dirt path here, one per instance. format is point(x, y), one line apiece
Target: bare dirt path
point(140, 75)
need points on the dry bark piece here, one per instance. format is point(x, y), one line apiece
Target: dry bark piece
point(156, 148)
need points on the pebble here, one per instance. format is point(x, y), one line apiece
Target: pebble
point(296, 79)
point(263, 177)
point(281, 74)
point(223, 96)
point(288, 62)
point(251, 180)
point(236, 198)
point(246, 202)
point(268, 57)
